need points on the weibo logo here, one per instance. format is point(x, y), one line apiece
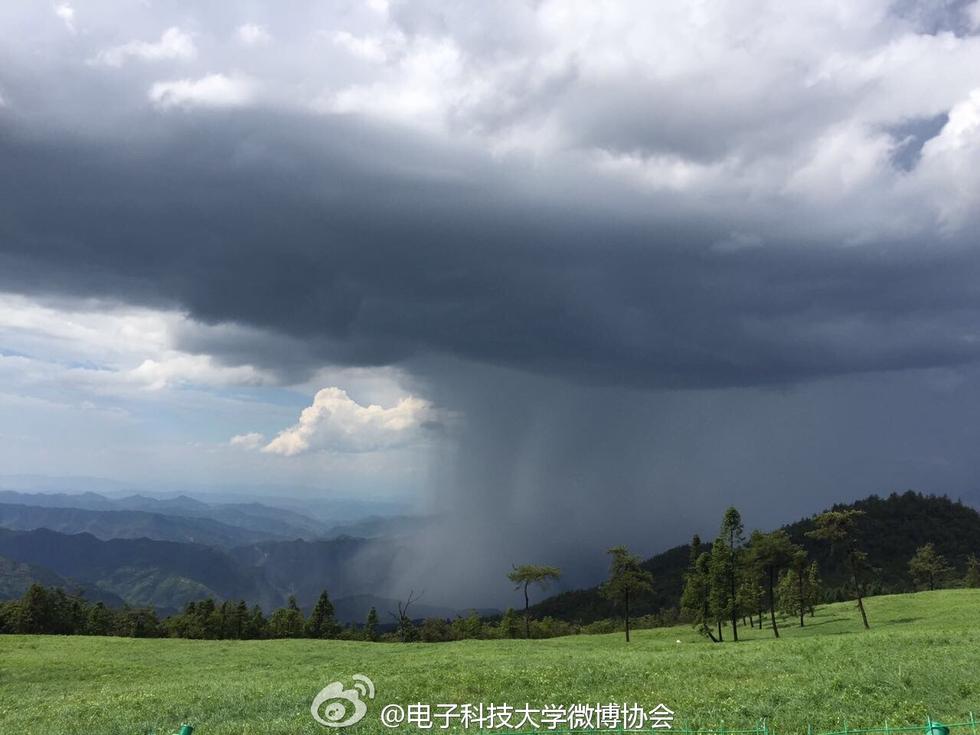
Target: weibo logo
point(335, 706)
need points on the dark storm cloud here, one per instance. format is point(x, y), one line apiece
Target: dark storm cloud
point(648, 260)
point(370, 248)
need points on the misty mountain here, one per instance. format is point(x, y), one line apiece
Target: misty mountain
point(16, 577)
point(167, 575)
point(317, 508)
point(891, 529)
point(163, 574)
point(128, 524)
point(343, 566)
point(264, 521)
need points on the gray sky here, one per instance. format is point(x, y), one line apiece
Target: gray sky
point(600, 268)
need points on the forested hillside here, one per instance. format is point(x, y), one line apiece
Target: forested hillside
point(167, 575)
point(891, 529)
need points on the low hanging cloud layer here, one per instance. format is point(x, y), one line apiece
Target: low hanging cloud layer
point(337, 423)
point(647, 252)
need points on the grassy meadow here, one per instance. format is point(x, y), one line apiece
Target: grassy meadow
point(922, 657)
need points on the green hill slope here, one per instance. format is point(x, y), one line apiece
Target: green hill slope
point(920, 658)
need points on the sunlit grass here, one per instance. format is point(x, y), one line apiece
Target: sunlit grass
point(921, 658)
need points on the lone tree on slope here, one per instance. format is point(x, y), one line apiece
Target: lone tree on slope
point(839, 527)
point(627, 580)
point(523, 577)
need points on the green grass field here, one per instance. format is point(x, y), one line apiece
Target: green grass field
point(921, 658)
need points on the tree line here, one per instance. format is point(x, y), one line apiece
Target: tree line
point(43, 610)
point(731, 582)
point(54, 611)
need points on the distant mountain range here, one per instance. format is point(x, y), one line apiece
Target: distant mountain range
point(129, 524)
point(167, 575)
point(183, 519)
point(891, 529)
point(16, 577)
point(324, 505)
point(163, 574)
point(166, 552)
point(173, 519)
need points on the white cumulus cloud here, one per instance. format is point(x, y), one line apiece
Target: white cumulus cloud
point(109, 349)
point(213, 90)
point(174, 44)
point(369, 48)
point(67, 14)
point(252, 440)
point(252, 34)
point(336, 422)
point(174, 369)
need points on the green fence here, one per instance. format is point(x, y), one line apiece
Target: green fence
point(930, 727)
point(762, 729)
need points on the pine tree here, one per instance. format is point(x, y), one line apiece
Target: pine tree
point(927, 567)
point(287, 622)
point(510, 624)
point(223, 620)
point(751, 594)
point(696, 598)
point(972, 578)
point(696, 552)
point(794, 590)
point(814, 587)
point(371, 626)
point(256, 625)
point(100, 620)
point(720, 569)
point(840, 528)
point(238, 619)
point(770, 553)
point(36, 613)
point(526, 575)
point(733, 534)
point(627, 581)
point(322, 623)
point(208, 619)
